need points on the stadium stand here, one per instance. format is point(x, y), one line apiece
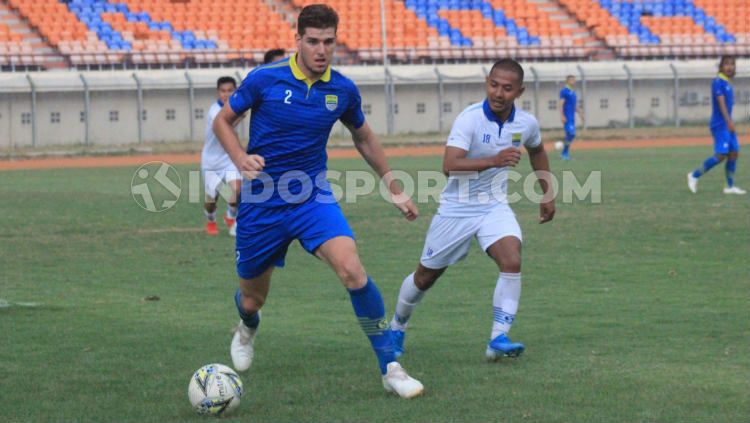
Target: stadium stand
point(159, 33)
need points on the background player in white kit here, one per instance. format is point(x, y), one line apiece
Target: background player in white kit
point(482, 144)
point(216, 165)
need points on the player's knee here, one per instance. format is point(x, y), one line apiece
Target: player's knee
point(721, 157)
point(424, 278)
point(253, 303)
point(352, 274)
point(511, 263)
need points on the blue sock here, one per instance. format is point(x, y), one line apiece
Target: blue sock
point(566, 148)
point(251, 320)
point(730, 167)
point(370, 311)
point(707, 165)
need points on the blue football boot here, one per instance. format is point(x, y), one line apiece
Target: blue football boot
point(398, 342)
point(502, 346)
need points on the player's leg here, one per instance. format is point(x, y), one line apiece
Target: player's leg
point(447, 242)
point(211, 182)
point(260, 248)
point(570, 135)
point(413, 288)
point(721, 149)
point(234, 181)
point(731, 166)
point(249, 298)
point(500, 237)
point(341, 255)
point(323, 230)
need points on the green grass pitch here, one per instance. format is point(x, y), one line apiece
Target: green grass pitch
point(633, 310)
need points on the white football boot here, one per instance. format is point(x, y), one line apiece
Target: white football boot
point(398, 382)
point(692, 183)
point(734, 190)
point(242, 347)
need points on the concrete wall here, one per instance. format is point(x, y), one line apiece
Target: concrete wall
point(113, 118)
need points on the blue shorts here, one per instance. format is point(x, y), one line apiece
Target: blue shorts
point(264, 233)
point(725, 142)
point(570, 131)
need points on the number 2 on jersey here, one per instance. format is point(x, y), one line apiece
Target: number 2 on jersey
point(288, 97)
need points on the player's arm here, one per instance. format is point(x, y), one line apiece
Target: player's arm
point(455, 160)
point(368, 145)
point(563, 119)
point(540, 164)
point(248, 164)
point(721, 100)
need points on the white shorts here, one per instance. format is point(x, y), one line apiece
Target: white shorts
point(449, 238)
point(213, 178)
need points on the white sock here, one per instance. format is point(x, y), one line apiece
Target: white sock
point(210, 216)
point(505, 302)
point(232, 212)
point(408, 298)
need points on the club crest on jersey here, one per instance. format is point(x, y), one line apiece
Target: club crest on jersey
point(516, 139)
point(332, 102)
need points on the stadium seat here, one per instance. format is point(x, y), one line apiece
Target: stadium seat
point(109, 32)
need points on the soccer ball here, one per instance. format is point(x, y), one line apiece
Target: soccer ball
point(559, 145)
point(215, 389)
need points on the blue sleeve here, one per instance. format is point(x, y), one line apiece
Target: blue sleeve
point(353, 115)
point(248, 95)
point(562, 94)
point(717, 88)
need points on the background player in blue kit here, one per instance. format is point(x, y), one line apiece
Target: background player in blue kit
point(726, 145)
point(568, 109)
point(285, 196)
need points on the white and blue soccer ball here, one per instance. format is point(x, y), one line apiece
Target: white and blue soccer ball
point(215, 389)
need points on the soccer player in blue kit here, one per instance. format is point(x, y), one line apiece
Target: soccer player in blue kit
point(568, 109)
point(726, 145)
point(285, 195)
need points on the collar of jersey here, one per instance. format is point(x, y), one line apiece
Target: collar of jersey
point(219, 103)
point(570, 87)
point(492, 117)
point(724, 77)
point(297, 72)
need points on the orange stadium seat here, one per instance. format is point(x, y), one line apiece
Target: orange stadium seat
point(157, 32)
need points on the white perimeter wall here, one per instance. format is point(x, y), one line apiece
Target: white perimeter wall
point(422, 106)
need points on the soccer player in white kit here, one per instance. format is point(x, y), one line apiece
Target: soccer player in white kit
point(217, 167)
point(484, 142)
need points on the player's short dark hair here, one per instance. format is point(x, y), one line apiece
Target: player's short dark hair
point(724, 59)
point(569, 77)
point(272, 54)
point(225, 80)
point(318, 16)
point(509, 65)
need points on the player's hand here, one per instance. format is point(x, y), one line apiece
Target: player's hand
point(508, 157)
point(250, 165)
point(731, 126)
point(405, 205)
point(564, 120)
point(546, 211)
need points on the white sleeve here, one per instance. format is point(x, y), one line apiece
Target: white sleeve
point(534, 138)
point(212, 113)
point(462, 132)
